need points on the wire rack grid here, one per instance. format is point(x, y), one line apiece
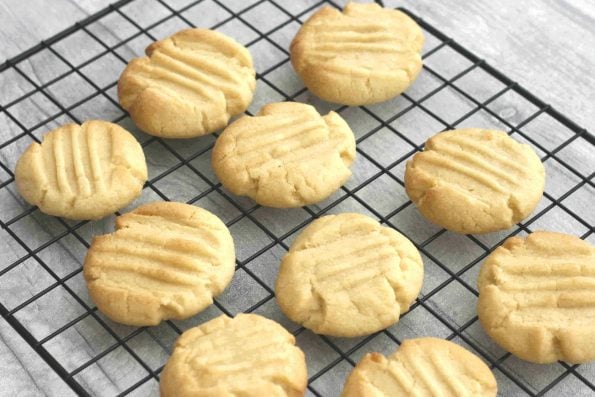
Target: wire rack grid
point(73, 76)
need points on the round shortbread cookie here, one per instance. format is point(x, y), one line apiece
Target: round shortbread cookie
point(248, 355)
point(165, 260)
point(474, 180)
point(537, 297)
point(366, 54)
point(422, 367)
point(188, 85)
point(346, 275)
point(288, 155)
point(83, 171)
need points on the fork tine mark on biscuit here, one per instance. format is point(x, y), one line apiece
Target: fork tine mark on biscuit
point(417, 363)
point(197, 79)
point(287, 132)
point(559, 284)
point(287, 155)
point(343, 277)
point(475, 181)
point(79, 172)
point(182, 230)
point(448, 374)
point(198, 248)
point(81, 180)
point(272, 127)
point(309, 150)
point(542, 296)
point(247, 355)
point(475, 162)
point(331, 49)
point(169, 253)
point(110, 157)
point(350, 34)
point(361, 28)
point(354, 38)
point(422, 367)
point(493, 153)
point(363, 55)
point(180, 83)
point(211, 72)
point(96, 168)
point(537, 297)
point(337, 263)
point(438, 163)
point(165, 259)
point(60, 163)
point(164, 278)
point(299, 154)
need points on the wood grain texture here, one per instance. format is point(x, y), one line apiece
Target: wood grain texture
point(24, 24)
point(546, 46)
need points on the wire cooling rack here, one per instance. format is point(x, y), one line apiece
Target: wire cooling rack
point(72, 77)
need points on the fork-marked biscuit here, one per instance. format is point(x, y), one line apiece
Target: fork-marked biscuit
point(165, 260)
point(422, 367)
point(188, 85)
point(364, 55)
point(537, 297)
point(347, 275)
point(83, 171)
point(248, 355)
point(288, 155)
point(474, 180)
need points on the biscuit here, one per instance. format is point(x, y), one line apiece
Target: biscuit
point(475, 181)
point(188, 85)
point(288, 155)
point(83, 171)
point(537, 297)
point(248, 355)
point(365, 55)
point(346, 275)
point(165, 260)
point(422, 367)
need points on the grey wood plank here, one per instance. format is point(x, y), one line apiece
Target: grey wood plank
point(25, 23)
point(547, 46)
point(23, 371)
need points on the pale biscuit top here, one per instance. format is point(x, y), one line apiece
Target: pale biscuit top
point(422, 367)
point(474, 180)
point(364, 55)
point(248, 355)
point(165, 260)
point(347, 275)
point(288, 155)
point(188, 85)
point(537, 297)
point(83, 171)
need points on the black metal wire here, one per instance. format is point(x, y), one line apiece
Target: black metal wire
point(10, 315)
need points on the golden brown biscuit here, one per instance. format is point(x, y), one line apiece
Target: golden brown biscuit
point(288, 155)
point(248, 355)
point(83, 171)
point(537, 297)
point(165, 260)
point(422, 367)
point(188, 85)
point(474, 180)
point(364, 55)
point(347, 275)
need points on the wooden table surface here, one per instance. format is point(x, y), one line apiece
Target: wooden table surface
point(548, 46)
